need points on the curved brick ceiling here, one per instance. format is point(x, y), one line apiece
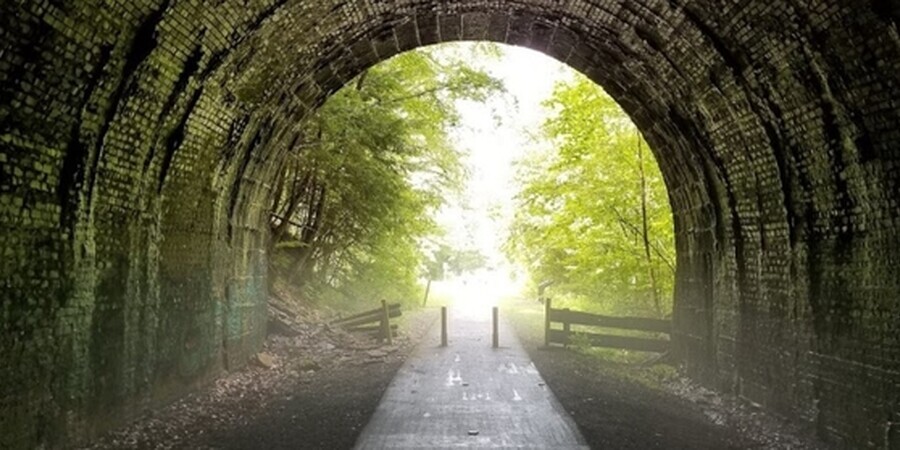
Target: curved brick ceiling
point(139, 139)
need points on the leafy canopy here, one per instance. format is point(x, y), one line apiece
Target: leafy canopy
point(586, 189)
point(356, 197)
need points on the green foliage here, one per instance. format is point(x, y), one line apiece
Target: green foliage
point(447, 259)
point(354, 200)
point(580, 213)
point(580, 342)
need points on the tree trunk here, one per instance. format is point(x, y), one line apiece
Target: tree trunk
point(310, 231)
point(427, 290)
point(298, 187)
point(361, 79)
point(279, 191)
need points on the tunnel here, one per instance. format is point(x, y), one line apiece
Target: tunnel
point(139, 142)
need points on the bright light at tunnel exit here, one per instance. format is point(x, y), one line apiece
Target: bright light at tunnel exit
point(481, 218)
point(474, 294)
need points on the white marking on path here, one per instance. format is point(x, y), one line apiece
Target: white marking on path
point(453, 378)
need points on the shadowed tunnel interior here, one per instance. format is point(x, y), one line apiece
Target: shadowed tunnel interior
point(139, 141)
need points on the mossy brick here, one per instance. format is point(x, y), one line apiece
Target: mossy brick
point(775, 123)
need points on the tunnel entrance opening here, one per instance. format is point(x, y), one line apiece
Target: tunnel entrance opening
point(591, 211)
point(137, 141)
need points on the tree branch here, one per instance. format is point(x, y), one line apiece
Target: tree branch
point(421, 93)
point(637, 232)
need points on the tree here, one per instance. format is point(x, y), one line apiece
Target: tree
point(592, 215)
point(444, 259)
point(354, 198)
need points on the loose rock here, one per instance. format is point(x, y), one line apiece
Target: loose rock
point(265, 360)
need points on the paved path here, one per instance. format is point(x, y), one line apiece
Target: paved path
point(469, 394)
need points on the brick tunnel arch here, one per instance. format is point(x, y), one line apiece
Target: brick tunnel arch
point(139, 140)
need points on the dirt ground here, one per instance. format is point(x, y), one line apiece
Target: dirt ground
point(636, 406)
point(316, 390)
point(318, 387)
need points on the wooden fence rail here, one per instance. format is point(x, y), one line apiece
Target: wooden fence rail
point(375, 322)
point(568, 318)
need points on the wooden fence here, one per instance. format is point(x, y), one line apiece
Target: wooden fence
point(375, 322)
point(568, 318)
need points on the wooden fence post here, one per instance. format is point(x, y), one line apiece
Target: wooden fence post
point(547, 322)
point(496, 335)
point(567, 330)
point(443, 326)
point(386, 323)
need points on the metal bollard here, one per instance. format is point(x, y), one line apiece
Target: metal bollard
point(496, 340)
point(443, 326)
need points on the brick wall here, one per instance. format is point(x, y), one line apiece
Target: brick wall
point(137, 141)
